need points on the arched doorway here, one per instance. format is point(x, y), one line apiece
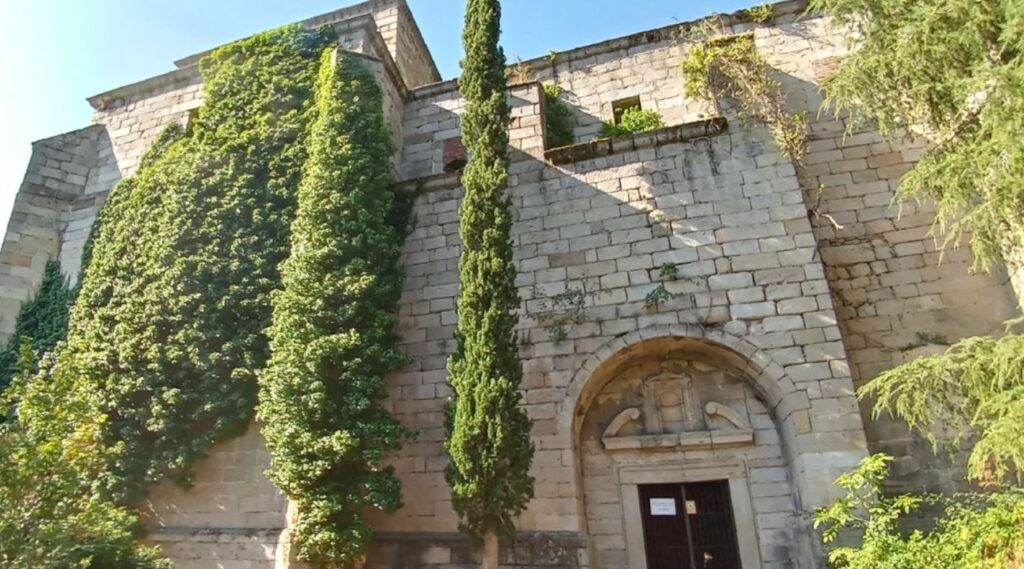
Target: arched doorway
point(681, 461)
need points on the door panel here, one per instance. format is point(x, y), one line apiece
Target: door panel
point(665, 535)
point(712, 526)
point(689, 526)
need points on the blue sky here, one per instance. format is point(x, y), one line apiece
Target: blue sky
point(55, 53)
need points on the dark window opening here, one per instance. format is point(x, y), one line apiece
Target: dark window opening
point(454, 155)
point(620, 107)
point(689, 526)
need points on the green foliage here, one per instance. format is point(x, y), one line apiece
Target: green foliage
point(51, 516)
point(634, 120)
point(952, 70)
point(975, 389)
point(760, 14)
point(43, 320)
point(657, 296)
point(566, 310)
point(730, 67)
point(669, 271)
point(973, 531)
point(488, 433)
point(332, 327)
point(557, 118)
point(167, 334)
point(660, 294)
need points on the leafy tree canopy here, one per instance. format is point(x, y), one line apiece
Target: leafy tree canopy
point(952, 70)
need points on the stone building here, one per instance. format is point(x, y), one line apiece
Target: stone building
point(710, 423)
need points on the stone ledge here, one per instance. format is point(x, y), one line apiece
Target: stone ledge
point(620, 144)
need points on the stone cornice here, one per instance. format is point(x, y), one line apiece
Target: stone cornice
point(629, 143)
point(170, 80)
point(788, 8)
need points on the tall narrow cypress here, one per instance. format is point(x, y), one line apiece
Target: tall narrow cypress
point(488, 432)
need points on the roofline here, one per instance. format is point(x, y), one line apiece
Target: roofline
point(782, 9)
point(309, 23)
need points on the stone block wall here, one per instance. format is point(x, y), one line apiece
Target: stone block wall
point(807, 292)
point(897, 295)
point(65, 182)
point(232, 515)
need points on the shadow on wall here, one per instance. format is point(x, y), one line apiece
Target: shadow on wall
point(594, 241)
point(66, 182)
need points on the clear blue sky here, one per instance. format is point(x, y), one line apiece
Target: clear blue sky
point(55, 53)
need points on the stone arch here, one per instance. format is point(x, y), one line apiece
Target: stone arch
point(768, 377)
point(811, 460)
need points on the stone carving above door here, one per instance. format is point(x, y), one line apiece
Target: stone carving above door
point(674, 418)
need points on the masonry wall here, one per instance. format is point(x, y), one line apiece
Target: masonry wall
point(816, 291)
point(896, 295)
point(65, 182)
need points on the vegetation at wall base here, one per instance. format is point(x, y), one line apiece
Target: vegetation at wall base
point(332, 333)
point(634, 120)
point(42, 320)
point(953, 72)
point(488, 432)
point(729, 68)
point(973, 531)
point(157, 365)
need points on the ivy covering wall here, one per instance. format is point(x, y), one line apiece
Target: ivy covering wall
point(332, 329)
point(42, 321)
point(168, 334)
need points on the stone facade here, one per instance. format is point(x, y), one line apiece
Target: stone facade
point(795, 283)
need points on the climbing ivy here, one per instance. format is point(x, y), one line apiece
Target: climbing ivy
point(730, 67)
point(43, 321)
point(332, 327)
point(167, 335)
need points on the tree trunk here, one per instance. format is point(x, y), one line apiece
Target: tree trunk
point(490, 552)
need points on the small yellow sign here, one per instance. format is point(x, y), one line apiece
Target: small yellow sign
point(691, 507)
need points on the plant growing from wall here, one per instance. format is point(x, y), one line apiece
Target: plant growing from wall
point(730, 68)
point(42, 320)
point(332, 333)
point(566, 311)
point(633, 120)
point(557, 118)
point(760, 14)
point(488, 432)
point(660, 294)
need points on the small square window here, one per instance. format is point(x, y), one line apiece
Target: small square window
point(454, 155)
point(622, 105)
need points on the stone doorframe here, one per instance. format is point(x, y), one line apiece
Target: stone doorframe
point(631, 477)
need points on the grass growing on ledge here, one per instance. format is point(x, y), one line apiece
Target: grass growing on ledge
point(633, 121)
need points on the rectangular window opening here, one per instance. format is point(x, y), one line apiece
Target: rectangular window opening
point(620, 107)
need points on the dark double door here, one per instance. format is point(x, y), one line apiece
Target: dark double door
point(689, 526)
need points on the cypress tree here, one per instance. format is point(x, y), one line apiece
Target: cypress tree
point(42, 321)
point(331, 338)
point(488, 432)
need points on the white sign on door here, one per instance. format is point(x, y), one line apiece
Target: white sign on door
point(663, 506)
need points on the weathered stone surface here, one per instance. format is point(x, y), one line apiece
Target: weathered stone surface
point(795, 283)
